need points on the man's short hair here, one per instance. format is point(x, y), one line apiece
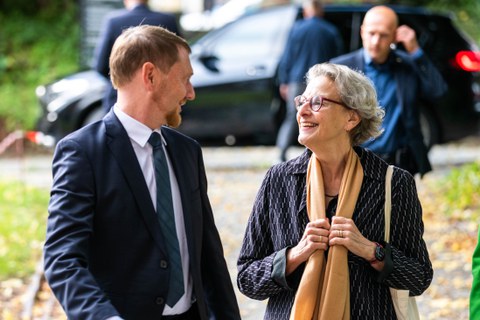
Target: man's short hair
point(140, 44)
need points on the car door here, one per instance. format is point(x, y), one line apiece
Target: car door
point(234, 77)
point(348, 23)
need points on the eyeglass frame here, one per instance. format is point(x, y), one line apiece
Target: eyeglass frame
point(310, 100)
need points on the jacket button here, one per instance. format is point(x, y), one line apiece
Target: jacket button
point(163, 264)
point(159, 300)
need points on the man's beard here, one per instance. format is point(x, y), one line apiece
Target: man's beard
point(174, 119)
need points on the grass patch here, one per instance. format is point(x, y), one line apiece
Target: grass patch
point(458, 193)
point(22, 228)
point(463, 187)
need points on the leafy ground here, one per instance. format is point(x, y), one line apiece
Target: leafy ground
point(451, 240)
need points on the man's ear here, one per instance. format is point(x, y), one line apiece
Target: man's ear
point(148, 74)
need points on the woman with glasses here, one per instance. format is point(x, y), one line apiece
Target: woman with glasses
point(314, 242)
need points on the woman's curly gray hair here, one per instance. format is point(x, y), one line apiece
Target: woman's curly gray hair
point(358, 93)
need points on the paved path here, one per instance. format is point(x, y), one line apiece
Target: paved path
point(36, 169)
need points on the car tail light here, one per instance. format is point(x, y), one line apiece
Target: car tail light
point(40, 138)
point(468, 60)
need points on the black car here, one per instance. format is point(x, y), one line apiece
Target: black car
point(235, 70)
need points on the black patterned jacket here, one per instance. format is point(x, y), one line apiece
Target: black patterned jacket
point(279, 217)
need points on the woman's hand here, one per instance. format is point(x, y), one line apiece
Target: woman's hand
point(344, 232)
point(315, 237)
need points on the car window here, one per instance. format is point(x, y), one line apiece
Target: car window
point(348, 24)
point(437, 37)
point(423, 26)
point(263, 34)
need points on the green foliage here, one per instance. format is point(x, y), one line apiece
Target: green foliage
point(460, 191)
point(34, 50)
point(40, 39)
point(22, 228)
point(33, 7)
point(465, 12)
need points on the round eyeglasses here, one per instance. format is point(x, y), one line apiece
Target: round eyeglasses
point(316, 102)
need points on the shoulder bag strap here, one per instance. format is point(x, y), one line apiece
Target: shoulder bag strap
point(388, 201)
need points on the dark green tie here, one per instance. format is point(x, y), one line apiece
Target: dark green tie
point(166, 218)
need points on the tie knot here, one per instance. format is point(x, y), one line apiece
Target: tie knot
point(155, 140)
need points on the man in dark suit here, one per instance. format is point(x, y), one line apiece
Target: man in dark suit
point(135, 13)
point(402, 79)
point(106, 254)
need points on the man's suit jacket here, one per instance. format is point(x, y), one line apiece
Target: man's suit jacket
point(113, 25)
point(311, 41)
point(104, 252)
point(417, 80)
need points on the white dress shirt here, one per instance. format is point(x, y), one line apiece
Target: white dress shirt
point(139, 135)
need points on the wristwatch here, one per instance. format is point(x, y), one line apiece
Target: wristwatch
point(379, 253)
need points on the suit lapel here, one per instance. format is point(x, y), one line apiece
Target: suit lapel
point(359, 62)
point(401, 82)
point(122, 150)
point(298, 168)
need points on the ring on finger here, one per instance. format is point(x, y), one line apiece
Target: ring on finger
point(321, 238)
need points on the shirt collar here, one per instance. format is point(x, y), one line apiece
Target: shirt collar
point(136, 130)
point(366, 58)
point(369, 62)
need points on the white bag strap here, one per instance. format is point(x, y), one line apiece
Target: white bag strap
point(388, 201)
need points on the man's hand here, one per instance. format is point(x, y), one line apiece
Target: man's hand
point(284, 91)
point(408, 38)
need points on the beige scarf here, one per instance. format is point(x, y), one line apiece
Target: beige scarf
point(324, 291)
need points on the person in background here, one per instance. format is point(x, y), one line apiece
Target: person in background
point(130, 231)
point(314, 243)
point(312, 40)
point(475, 292)
point(402, 80)
point(136, 12)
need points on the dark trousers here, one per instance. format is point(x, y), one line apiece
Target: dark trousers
point(288, 133)
point(402, 158)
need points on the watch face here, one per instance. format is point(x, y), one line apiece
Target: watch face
point(379, 253)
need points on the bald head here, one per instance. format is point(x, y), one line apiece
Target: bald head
point(383, 15)
point(130, 4)
point(312, 8)
point(379, 32)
